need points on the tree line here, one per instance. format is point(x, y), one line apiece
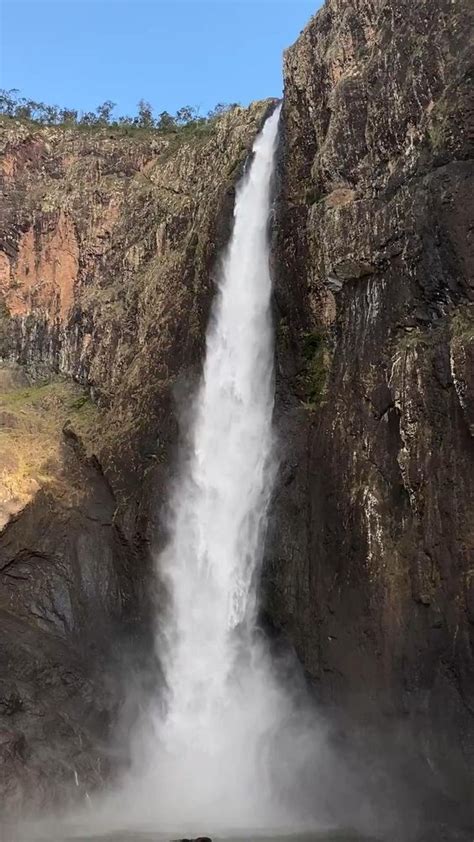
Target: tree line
point(12, 104)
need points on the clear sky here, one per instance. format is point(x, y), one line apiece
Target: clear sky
point(78, 53)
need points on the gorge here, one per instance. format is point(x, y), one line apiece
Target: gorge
point(109, 261)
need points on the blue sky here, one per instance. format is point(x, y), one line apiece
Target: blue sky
point(78, 53)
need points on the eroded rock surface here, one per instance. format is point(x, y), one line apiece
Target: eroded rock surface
point(371, 574)
point(107, 250)
point(107, 253)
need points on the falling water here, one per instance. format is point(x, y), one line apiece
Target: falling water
point(220, 504)
point(227, 752)
point(221, 696)
point(210, 765)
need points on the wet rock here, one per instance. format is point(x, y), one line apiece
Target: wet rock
point(196, 839)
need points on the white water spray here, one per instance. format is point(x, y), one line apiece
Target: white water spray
point(220, 504)
point(211, 764)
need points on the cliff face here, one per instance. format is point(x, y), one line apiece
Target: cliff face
point(369, 571)
point(107, 248)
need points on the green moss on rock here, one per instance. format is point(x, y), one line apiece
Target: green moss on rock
point(313, 381)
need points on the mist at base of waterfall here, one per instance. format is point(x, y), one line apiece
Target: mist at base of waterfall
point(77, 834)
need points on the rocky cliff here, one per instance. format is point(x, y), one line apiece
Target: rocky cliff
point(107, 250)
point(370, 567)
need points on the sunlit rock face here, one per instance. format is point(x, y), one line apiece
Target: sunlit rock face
point(106, 265)
point(108, 247)
point(369, 570)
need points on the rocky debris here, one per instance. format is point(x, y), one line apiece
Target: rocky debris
point(197, 839)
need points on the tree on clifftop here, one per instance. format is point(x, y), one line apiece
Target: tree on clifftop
point(145, 115)
point(104, 111)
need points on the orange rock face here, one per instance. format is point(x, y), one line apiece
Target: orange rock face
point(45, 273)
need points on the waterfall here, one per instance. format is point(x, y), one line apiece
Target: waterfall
point(216, 752)
point(220, 504)
point(222, 699)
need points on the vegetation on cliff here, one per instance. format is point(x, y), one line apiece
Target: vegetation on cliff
point(33, 418)
point(187, 118)
point(312, 381)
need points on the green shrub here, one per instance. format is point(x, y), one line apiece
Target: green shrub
point(313, 381)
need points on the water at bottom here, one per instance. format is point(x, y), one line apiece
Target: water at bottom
point(32, 834)
point(255, 837)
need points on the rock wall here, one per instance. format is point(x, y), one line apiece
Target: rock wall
point(369, 569)
point(107, 250)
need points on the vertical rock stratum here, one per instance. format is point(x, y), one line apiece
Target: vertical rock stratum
point(370, 568)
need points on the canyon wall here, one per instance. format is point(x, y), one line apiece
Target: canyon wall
point(369, 570)
point(108, 244)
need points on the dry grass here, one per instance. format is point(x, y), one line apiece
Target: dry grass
point(31, 423)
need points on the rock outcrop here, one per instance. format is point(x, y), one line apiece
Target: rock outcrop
point(370, 572)
point(67, 589)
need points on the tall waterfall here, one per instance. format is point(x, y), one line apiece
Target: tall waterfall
point(211, 753)
point(220, 504)
point(226, 751)
point(218, 707)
